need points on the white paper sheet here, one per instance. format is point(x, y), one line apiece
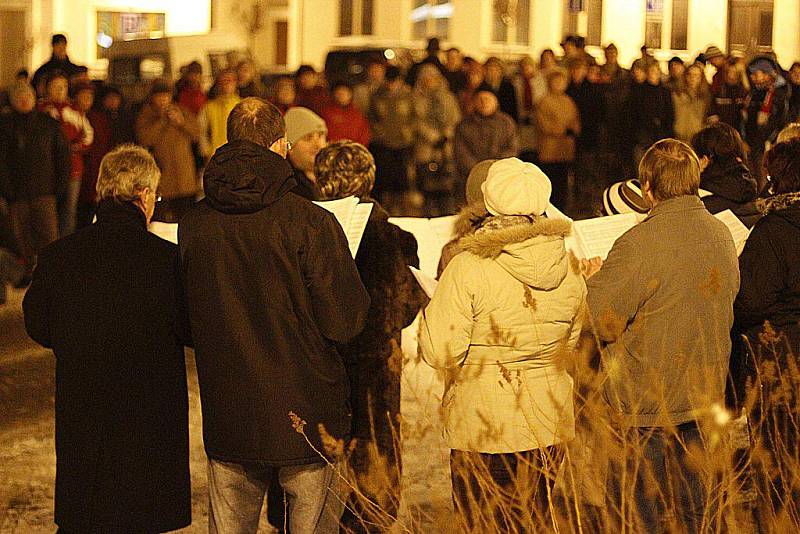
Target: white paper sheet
point(431, 235)
point(168, 231)
point(352, 217)
point(427, 283)
point(738, 230)
point(595, 237)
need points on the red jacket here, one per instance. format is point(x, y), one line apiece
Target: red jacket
point(346, 123)
point(77, 130)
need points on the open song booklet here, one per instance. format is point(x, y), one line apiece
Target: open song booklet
point(595, 237)
point(351, 215)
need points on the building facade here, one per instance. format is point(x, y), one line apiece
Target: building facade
point(282, 34)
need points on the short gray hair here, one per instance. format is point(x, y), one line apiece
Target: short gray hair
point(125, 172)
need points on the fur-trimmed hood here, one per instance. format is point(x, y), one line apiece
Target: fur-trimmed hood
point(533, 253)
point(469, 219)
point(778, 202)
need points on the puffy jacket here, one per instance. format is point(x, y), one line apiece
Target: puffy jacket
point(272, 288)
point(502, 322)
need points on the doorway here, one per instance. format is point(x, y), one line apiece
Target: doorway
point(750, 25)
point(13, 45)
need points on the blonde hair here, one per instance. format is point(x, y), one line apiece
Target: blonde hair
point(670, 169)
point(125, 172)
point(789, 132)
point(343, 169)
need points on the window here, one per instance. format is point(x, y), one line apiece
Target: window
point(511, 20)
point(355, 17)
point(584, 17)
point(680, 24)
point(431, 18)
point(653, 21)
point(750, 25)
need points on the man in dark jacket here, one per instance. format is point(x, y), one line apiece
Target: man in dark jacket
point(34, 169)
point(108, 301)
point(272, 289)
point(58, 61)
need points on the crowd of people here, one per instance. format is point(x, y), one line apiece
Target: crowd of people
point(297, 341)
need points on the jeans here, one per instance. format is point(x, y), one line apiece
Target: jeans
point(665, 488)
point(506, 492)
point(314, 493)
point(68, 211)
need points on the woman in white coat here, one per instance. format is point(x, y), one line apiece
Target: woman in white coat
point(502, 325)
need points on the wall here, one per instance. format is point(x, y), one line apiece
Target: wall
point(786, 31)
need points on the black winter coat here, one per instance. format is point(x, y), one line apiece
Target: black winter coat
point(34, 156)
point(652, 113)
point(732, 187)
point(271, 289)
point(108, 301)
point(770, 270)
point(770, 284)
point(591, 102)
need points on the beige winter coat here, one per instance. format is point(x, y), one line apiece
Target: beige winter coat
point(557, 124)
point(503, 322)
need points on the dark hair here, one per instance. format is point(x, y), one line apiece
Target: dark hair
point(433, 44)
point(719, 142)
point(58, 38)
point(303, 69)
point(22, 72)
point(256, 120)
point(393, 73)
point(795, 64)
point(783, 166)
point(341, 83)
point(675, 59)
point(54, 74)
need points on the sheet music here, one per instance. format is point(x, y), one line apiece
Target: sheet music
point(356, 226)
point(168, 231)
point(431, 235)
point(595, 237)
point(427, 283)
point(739, 231)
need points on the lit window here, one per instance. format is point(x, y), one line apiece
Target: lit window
point(511, 21)
point(356, 17)
point(654, 21)
point(431, 18)
point(584, 17)
point(680, 24)
point(751, 25)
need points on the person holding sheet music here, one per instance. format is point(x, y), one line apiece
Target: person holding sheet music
point(662, 303)
point(272, 288)
point(373, 358)
point(725, 181)
point(767, 311)
point(502, 324)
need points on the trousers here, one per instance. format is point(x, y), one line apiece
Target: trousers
point(314, 495)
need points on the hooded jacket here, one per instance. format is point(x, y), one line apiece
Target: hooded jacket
point(502, 322)
point(732, 187)
point(271, 289)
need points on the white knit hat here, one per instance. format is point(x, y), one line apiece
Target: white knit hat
point(514, 187)
point(302, 121)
